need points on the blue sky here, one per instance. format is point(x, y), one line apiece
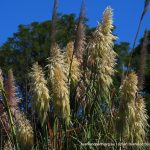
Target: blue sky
point(126, 14)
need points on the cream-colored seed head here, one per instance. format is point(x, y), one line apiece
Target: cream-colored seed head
point(24, 132)
point(40, 97)
point(59, 88)
point(102, 57)
point(69, 51)
point(129, 88)
point(56, 58)
point(127, 110)
point(141, 123)
point(75, 70)
point(61, 93)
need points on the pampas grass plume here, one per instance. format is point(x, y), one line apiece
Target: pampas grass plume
point(75, 70)
point(59, 87)
point(127, 110)
point(11, 91)
point(102, 57)
point(141, 124)
point(24, 132)
point(40, 97)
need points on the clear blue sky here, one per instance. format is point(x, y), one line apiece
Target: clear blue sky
point(126, 14)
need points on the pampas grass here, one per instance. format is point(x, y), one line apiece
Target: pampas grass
point(10, 105)
point(11, 101)
point(11, 92)
point(79, 45)
point(141, 123)
point(61, 94)
point(102, 58)
point(127, 109)
point(24, 132)
point(75, 68)
point(20, 127)
point(69, 77)
point(40, 92)
point(58, 81)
